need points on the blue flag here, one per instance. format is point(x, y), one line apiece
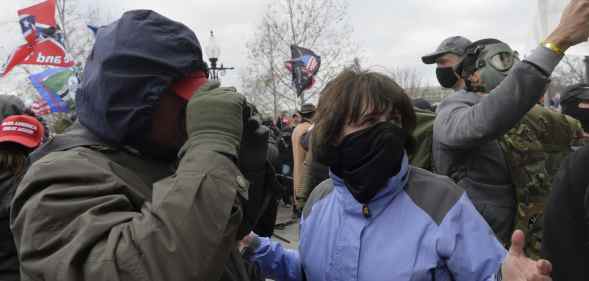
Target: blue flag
point(51, 85)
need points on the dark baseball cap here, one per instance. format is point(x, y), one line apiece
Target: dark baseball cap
point(455, 45)
point(306, 108)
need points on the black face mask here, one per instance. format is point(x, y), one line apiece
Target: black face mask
point(580, 114)
point(446, 76)
point(367, 159)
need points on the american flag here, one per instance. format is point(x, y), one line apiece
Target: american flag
point(304, 65)
point(40, 107)
point(311, 64)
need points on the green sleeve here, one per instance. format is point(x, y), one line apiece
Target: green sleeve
point(75, 217)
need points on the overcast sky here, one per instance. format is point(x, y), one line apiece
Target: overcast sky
point(391, 33)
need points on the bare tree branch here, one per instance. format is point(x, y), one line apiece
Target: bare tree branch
point(571, 70)
point(320, 25)
point(408, 79)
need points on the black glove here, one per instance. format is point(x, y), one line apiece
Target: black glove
point(252, 163)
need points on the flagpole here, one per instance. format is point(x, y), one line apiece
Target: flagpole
point(294, 39)
point(274, 92)
point(60, 5)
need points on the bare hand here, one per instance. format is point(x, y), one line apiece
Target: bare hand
point(573, 27)
point(246, 241)
point(518, 267)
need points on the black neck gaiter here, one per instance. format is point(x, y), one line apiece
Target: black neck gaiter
point(367, 159)
point(580, 114)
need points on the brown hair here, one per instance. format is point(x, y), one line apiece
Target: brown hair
point(13, 158)
point(357, 97)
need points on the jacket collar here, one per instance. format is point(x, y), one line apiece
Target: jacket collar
point(394, 186)
point(472, 97)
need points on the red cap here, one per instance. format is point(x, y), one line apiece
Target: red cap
point(22, 129)
point(187, 87)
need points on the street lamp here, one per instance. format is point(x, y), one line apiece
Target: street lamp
point(213, 51)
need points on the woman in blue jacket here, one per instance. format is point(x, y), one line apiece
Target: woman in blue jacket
point(377, 217)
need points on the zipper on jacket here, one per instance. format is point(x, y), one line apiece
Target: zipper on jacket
point(365, 211)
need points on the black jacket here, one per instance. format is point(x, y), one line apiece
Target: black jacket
point(566, 220)
point(9, 266)
point(8, 258)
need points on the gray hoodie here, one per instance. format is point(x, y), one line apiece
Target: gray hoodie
point(466, 130)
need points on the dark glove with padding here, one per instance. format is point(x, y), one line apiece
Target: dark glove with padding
point(214, 119)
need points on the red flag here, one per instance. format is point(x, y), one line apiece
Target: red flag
point(39, 18)
point(17, 57)
point(49, 52)
point(43, 12)
point(43, 52)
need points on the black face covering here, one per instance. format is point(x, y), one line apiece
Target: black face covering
point(446, 76)
point(580, 114)
point(367, 159)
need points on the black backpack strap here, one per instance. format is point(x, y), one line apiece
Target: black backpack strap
point(75, 136)
point(149, 171)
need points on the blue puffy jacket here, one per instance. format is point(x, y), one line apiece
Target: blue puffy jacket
point(421, 226)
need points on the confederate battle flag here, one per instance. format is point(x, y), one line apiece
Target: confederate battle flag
point(44, 40)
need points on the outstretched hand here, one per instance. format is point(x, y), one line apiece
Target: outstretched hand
point(573, 28)
point(518, 267)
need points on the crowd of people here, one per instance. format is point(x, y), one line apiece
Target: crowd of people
point(166, 175)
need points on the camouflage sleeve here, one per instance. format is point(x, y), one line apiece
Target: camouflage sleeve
point(535, 149)
point(555, 129)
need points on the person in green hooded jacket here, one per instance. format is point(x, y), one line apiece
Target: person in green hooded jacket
point(146, 185)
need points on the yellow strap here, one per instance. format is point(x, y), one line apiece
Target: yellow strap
point(555, 48)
